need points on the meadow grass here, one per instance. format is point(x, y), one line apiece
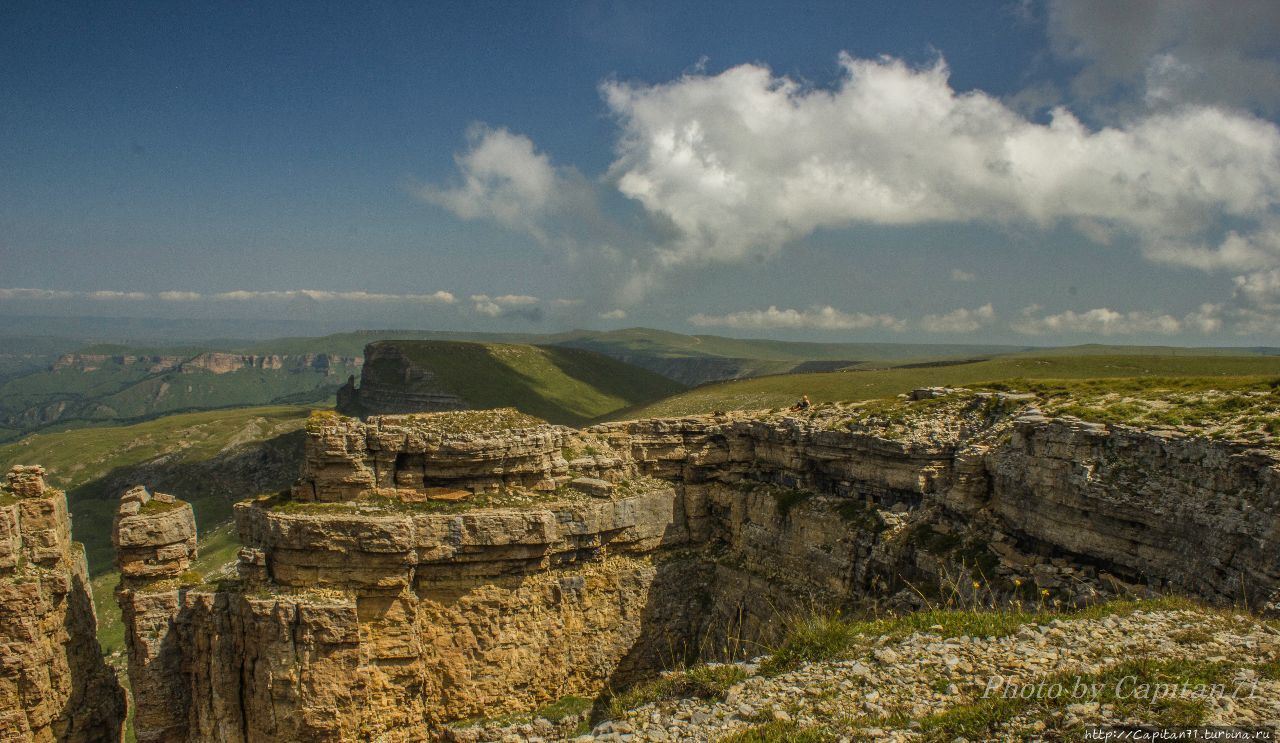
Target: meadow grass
point(560, 385)
point(75, 457)
point(822, 637)
point(782, 731)
point(780, 391)
point(700, 682)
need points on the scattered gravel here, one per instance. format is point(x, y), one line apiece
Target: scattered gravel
point(886, 688)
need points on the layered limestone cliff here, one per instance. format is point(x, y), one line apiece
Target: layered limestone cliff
point(430, 568)
point(216, 362)
point(54, 685)
point(155, 541)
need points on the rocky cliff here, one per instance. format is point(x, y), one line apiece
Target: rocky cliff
point(431, 568)
point(54, 685)
point(391, 383)
point(155, 541)
point(212, 361)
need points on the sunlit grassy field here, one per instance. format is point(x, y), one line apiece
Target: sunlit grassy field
point(780, 391)
point(561, 385)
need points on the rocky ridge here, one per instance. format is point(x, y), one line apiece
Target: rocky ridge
point(417, 555)
point(217, 362)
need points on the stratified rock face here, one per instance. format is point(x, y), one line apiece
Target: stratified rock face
point(54, 685)
point(155, 540)
point(154, 535)
point(391, 383)
point(430, 568)
point(1199, 516)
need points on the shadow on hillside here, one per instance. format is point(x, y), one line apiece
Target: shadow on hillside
point(211, 486)
point(636, 388)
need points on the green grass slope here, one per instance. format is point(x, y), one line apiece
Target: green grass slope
point(211, 458)
point(782, 391)
point(661, 343)
point(561, 385)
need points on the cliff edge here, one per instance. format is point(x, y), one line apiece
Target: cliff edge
point(54, 684)
point(430, 568)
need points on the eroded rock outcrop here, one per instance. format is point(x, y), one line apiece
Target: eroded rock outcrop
point(155, 540)
point(54, 685)
point(431, 568)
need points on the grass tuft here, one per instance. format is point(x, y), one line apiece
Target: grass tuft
point(700, 682)
point(832, 637)
point(782, 731)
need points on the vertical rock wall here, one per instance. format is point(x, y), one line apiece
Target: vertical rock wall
point(1191, 515)
point(155, 540)
point(54, 685)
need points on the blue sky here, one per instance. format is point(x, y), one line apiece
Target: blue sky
point(1031, 172)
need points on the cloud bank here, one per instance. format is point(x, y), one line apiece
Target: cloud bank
point(238, 295)
point(960, 320)
point(820, 318)
point(1107, 322)
point(737, 165)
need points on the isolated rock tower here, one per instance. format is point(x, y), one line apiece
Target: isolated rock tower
point(155, 540)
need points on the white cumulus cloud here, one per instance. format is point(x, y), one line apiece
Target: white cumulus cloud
point(742, 162)
point(1260, 289)
point(241, 295)
point(961, 320)
point(617, 314)
point(962, 275)
point(821, 318)
point(25, 293)
point(1100, 321)
point(503, 178)
point(505, 305)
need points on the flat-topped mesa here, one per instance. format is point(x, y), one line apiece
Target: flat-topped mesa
point(391, 383)
point(54, 684)
point(154, 535)
point(414, 457)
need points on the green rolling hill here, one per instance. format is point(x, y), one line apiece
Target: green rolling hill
point(103, 385)
point(52, 383)
point(210, 458)
point(557, 384)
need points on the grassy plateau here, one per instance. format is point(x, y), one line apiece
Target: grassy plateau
point(780, 391)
